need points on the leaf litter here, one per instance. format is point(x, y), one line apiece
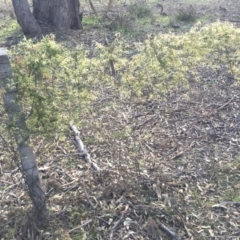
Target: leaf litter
point(163, 169)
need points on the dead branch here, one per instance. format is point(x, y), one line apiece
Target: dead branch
point(221, 107)
point(106, 42)
point(169, 232)
point(112, 67)
point(115, 226)
point(92, 7)
point(87, 196)
point(109, 6)
point(180, 153)
point(82, 149)
point(87, 222)
point(224, 105)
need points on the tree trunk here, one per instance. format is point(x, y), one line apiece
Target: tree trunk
point(61, 14)
point(21, 135)
point(25, 18)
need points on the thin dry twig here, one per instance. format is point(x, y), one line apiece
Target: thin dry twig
point(80, 226)
point(180, 153)
point(87, 195)
point(172, 234)
point(223, 106)
point(92, 7)
point(109, 6)
point(115, 226)
point(106, 42)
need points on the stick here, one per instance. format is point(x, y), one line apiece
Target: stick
point(115, 226)
point(168, 231)
point(106, 42)
point(88, 221)
point(83, 150)
point(92, 7)
point(87, 196)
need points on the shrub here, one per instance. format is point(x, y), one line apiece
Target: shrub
point(140, 10)
point(188, 14)
point(57, 84)
point(53, 82)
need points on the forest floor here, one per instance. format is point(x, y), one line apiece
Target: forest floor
point(170, 169)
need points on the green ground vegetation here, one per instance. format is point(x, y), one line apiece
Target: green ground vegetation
point(49, 74)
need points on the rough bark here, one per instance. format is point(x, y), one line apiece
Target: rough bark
point(25, 18)
point(61, 14)
point(21, 135)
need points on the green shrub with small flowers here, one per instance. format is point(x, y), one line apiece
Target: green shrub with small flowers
point(56, 84)
point(53, 83)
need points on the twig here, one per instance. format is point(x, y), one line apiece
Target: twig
point(106, 42)
point(143, 123)
point(92, 7)
point(108, 9)
point(221, 107)
point(224, 105)
point(112, 67)
point(106, 222)
point(179, 154)
point(110, 2)
point(61, 149)
point(82, 149)
point(86, 194)
point(115, 226)
point(87, 222)
point(230, 203)
point(236, 233)
point(172, 234)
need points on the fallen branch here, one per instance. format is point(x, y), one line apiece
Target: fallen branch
point(87, 196)
point(87, 222)
point(115, 226)
point(106, 42)
point(82, 149)
point(221, 107)
point(169, 232)
point(237, 204)
point(224, 105)
point(180, 153)
point(109, 6)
